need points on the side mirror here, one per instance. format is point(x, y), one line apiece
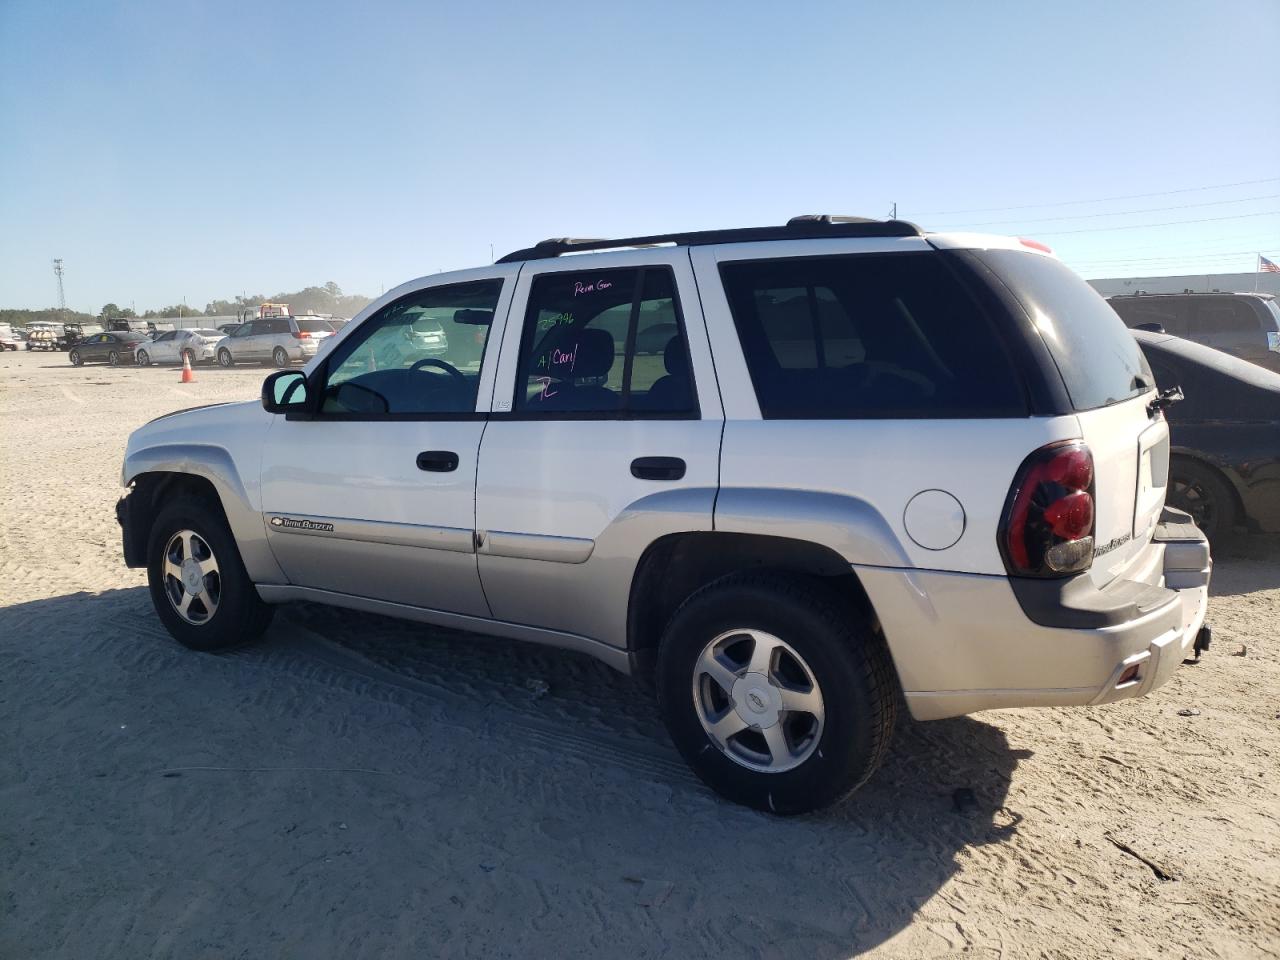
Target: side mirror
point(285, 392)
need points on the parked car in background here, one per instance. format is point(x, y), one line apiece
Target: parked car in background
point(337, 323)
point(8, 339)
point(1246, 325)
point(197, 346)
point(113, 348)
point(229, 328)
point(277, 340)
point(1224, 467)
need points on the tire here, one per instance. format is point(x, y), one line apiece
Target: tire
point(113, 358)
point(280, 357)
point(144, 360)
point(189, 357)
point(225, 359)
point(238, 616)
point(844, 661)
point(74, 357)
point(1202, 492)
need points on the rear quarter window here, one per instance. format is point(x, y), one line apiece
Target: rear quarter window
point(1097, 357)
point(868, 336)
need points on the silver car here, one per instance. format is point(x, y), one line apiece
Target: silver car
point(277, 340)
point(177, 345)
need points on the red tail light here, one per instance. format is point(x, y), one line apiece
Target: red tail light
point(1048, 523)
point(301, 335)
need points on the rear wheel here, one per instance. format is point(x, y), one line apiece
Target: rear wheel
point(188, 357)
point(225, 359)
point(279, 357)
point(73, 356)
point(199, 585)
point(1201, 492)
point(143, 359)
point(113, 358)
point(775, 692)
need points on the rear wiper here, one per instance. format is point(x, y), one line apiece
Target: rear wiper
point(1164, 400)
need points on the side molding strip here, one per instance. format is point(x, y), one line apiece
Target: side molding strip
point(453, 539)
point(534, 546)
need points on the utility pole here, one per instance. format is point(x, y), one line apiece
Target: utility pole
point(62, 297)
point(893, 215)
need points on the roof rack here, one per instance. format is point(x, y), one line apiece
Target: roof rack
point(809, 227)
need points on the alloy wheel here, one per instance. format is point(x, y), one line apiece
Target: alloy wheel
point(192, 581)
point(758, 700)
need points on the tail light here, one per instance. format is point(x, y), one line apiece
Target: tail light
point(301, 335)
point(1048, 524)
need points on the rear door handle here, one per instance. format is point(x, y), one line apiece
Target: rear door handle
point(438, 461)
point(657, 468)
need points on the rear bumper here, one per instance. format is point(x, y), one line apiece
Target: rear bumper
point(964, 643)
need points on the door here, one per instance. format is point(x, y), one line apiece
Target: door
point(163, 349)
point(94, 348)
point(372, 494)
point(598, 413)
point(239, 343)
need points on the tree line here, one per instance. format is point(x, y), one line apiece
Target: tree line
point(326, 299)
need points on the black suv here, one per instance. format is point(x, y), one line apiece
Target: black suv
point(1246, 325)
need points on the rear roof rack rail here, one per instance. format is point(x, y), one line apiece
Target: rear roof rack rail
point(808, 227)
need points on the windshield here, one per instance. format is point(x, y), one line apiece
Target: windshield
point(1095, 353)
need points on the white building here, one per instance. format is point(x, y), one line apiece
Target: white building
point(1196, 283)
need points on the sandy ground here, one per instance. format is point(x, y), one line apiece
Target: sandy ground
point(355, 787)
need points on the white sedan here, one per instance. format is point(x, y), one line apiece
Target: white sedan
point(171, 347)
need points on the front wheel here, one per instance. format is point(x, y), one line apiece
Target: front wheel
point(225, 359)
point(775, 692)
point(199, 586)
point(143, 359)
point(279, 357)
point(74, 357)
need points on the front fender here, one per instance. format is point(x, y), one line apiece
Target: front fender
point(215, 464)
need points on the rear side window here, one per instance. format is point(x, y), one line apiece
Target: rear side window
point(1098, 358)
point(1224, 315)
point(868, 336)
point(607, 342)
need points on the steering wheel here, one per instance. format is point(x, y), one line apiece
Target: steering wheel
point(448, 368)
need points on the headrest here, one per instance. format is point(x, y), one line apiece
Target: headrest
point(675, 358)
point(478, 317)
point(586, 354)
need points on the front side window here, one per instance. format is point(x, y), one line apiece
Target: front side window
point(867, 336)
point(246, 330)
point(420, 354)
point(604, 342)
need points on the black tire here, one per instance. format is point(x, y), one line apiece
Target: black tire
point(1202, 492)
point(113, 358)
point(225, 359)
point(189, 357)
point(848, 661)
point(280, 357)
point(144, 359)
point(74, 357)
point(240, 616)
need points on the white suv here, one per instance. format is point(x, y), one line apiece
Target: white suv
point(277, 340)
point(864, 465)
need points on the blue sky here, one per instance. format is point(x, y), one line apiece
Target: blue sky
point(179, 150)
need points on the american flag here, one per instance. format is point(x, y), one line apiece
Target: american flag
point(1267, 266)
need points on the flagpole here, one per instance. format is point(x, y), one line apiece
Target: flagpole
point(1257, 274)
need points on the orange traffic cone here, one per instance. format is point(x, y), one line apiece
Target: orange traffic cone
point(188, 375)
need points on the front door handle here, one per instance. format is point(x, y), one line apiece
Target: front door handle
point(438, 461)
point(657, 468)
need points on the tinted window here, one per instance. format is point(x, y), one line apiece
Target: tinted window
point(1224, 315)
point(1098, 359)
point(421, 354)
point(1171, 314)
point(313, 325)
point(604, 341)
point(245, 329)
point(871, 335)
